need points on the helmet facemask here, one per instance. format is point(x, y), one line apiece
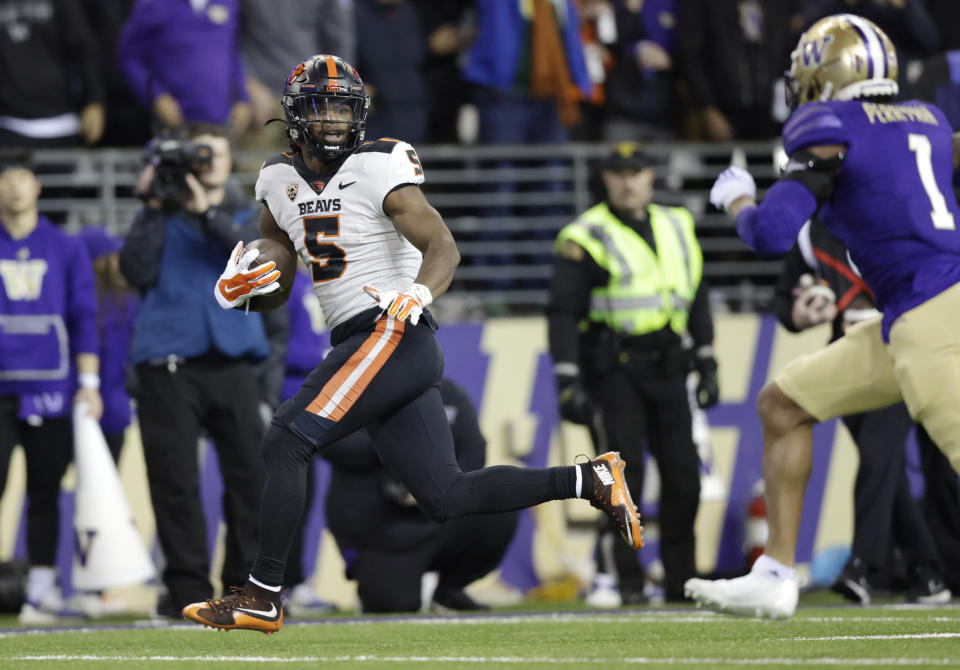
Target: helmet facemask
point(326, 124)
point(325, 104)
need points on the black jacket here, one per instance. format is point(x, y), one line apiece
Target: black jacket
point(49, 64)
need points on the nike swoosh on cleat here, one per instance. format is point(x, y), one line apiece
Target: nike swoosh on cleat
point(262, 614)
point(350, 183)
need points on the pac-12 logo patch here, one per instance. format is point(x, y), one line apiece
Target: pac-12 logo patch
point(292, 191)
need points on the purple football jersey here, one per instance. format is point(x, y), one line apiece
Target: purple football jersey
point(893, 205)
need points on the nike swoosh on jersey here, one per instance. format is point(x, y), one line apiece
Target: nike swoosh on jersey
point(262, 614)
point(350, 183)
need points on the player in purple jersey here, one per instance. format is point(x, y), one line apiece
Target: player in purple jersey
point(880, 174)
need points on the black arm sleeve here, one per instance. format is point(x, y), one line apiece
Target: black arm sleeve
point(142, 249)
point(817, 174)
point(569, 303)
point(793, 267)
point(700, 323)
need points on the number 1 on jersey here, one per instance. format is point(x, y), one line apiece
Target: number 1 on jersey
point(940, 215)
point(329, 260)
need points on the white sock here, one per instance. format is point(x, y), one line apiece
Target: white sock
point(579, 487)
point(40, 580)
point(769, 567)
point(275, 589)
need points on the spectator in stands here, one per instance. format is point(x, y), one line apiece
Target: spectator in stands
point(528, 70)
point(276, 33)
point(907, 23)
point(449, 29)
point(387, 542)
point(885, 513)
point(641, 100)
point(598, 32)
point(116, 308)
point(391, 55)
point(730, 54)
point(51, 87)
point(939, 83)
point(181, 59)
point(48, 362)
point(194, 367)
point(126, 124)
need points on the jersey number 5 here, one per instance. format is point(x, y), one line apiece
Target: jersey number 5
point(939, 214)
point(329, 260)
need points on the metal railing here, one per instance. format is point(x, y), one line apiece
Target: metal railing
point(504, 204)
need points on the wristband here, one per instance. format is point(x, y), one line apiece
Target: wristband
point(89, 380)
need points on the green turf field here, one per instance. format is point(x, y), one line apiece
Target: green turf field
point(837, 636)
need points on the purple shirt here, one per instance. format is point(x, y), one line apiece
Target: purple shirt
point(166, 47)
point(893, 204)
point(48, 310)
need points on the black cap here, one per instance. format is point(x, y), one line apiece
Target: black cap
point(627, 155)
point(15, 158)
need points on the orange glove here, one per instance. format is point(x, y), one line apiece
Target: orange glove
point(408, 304)
point(239, 282)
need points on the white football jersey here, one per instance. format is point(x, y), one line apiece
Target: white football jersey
point(337, 223)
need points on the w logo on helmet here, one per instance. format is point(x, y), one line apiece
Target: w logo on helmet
point(814, 50)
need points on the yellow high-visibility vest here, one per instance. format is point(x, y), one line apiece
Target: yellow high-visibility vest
point(646, 291)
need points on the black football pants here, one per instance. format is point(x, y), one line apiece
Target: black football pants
point(383, 375)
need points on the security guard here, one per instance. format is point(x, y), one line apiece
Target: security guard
point(629, 318)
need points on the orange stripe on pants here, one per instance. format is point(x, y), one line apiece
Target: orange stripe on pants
point(345, 387)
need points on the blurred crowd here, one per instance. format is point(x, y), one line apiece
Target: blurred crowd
point(114, 72)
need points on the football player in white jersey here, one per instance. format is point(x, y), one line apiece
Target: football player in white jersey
point(378, 253)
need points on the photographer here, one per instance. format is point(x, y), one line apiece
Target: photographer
point(193, 360)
